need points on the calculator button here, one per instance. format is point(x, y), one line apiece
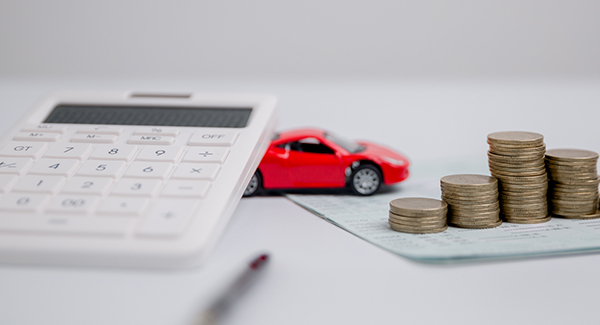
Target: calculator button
point(101, 130)
point(183, 188)
point(75, 151)
point(167, 217)
point(136, 186)
point(67, 225)
point(6, 181)
point(157, 131)
point(221, 138)
point(54, 166)
point(121, 152)
point(37, 136)
point(23, 202)
point(14, 165)
point(206, 154)
point(196, 171)
point(126, 206)
point(148, 169)
point(39, 183)
point(23, 149)
point(159, 153)
point(110, 168)
point(94, 138)
point(45, 128)
point(78, 204)
point(151, 139)
point(87, 185)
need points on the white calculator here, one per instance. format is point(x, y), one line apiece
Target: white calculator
point(122, 179)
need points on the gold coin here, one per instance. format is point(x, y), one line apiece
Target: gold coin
point(410, 206)
point(430, 219)
point(469, 180)
point(571, 155)
point(532, 164)
point(484, 200)
point(417, 231)
point(474, 215)
point(517, 172)
point(528, 221)
point(534, 151)
point(515, 159)
point(594, 215)
point(469, 225)
point(516, 138)
point(523, 180)
point(418, 225)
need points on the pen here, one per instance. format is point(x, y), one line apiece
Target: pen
point(216, 311)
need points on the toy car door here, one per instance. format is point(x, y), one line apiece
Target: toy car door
point(314, 164)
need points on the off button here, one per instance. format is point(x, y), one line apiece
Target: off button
point(218, 138)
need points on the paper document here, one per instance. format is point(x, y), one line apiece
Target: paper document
point(367, 218)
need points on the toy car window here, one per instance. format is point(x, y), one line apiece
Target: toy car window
point(351, 147)
point(310, 145)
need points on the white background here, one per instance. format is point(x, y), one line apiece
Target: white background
point(314, 38)
point(429, 78)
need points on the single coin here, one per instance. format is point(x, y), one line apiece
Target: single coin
point(429, 219)
point(475, 216)
point(419, 226)
point(570, 155)
point(422, 225)
point(505, 173)
point(417, 231)
point(469, 180)
point(484, 200)
point(468, 225)
point(515, 159)
point(473, 209)
point(586, 216)
point(523, 180)
point(572, 166)
point(538, 150)
point(515, 138)
point(508, 165)
point(417, 205)
point(528, 221)
point(505, 147)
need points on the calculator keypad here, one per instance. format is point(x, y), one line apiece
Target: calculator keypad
point(97, 179)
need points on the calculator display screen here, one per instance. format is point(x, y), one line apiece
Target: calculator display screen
point(229, 117)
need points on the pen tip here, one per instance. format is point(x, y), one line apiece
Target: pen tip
point(259, 261)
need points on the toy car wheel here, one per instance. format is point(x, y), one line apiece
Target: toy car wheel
point(365, 180)
point(255, 184)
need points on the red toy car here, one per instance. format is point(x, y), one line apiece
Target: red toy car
point(311, 158)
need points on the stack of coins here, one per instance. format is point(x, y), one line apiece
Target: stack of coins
point(418, 215)
point(573, 191)
point(516, 159)
point(472, 201)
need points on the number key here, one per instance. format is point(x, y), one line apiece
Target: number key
point(53, 166)
point(39, 183)
point(70, 150)
point(160, 153)
point(23, 202)
point(149, 169)
point(91, 185)
point(136, 186)
point(121, 152)
point(72, 203)
point(101, 168)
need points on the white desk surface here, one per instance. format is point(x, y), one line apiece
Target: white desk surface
point(320, 274)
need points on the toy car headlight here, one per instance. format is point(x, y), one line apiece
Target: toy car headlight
point(394, 161)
